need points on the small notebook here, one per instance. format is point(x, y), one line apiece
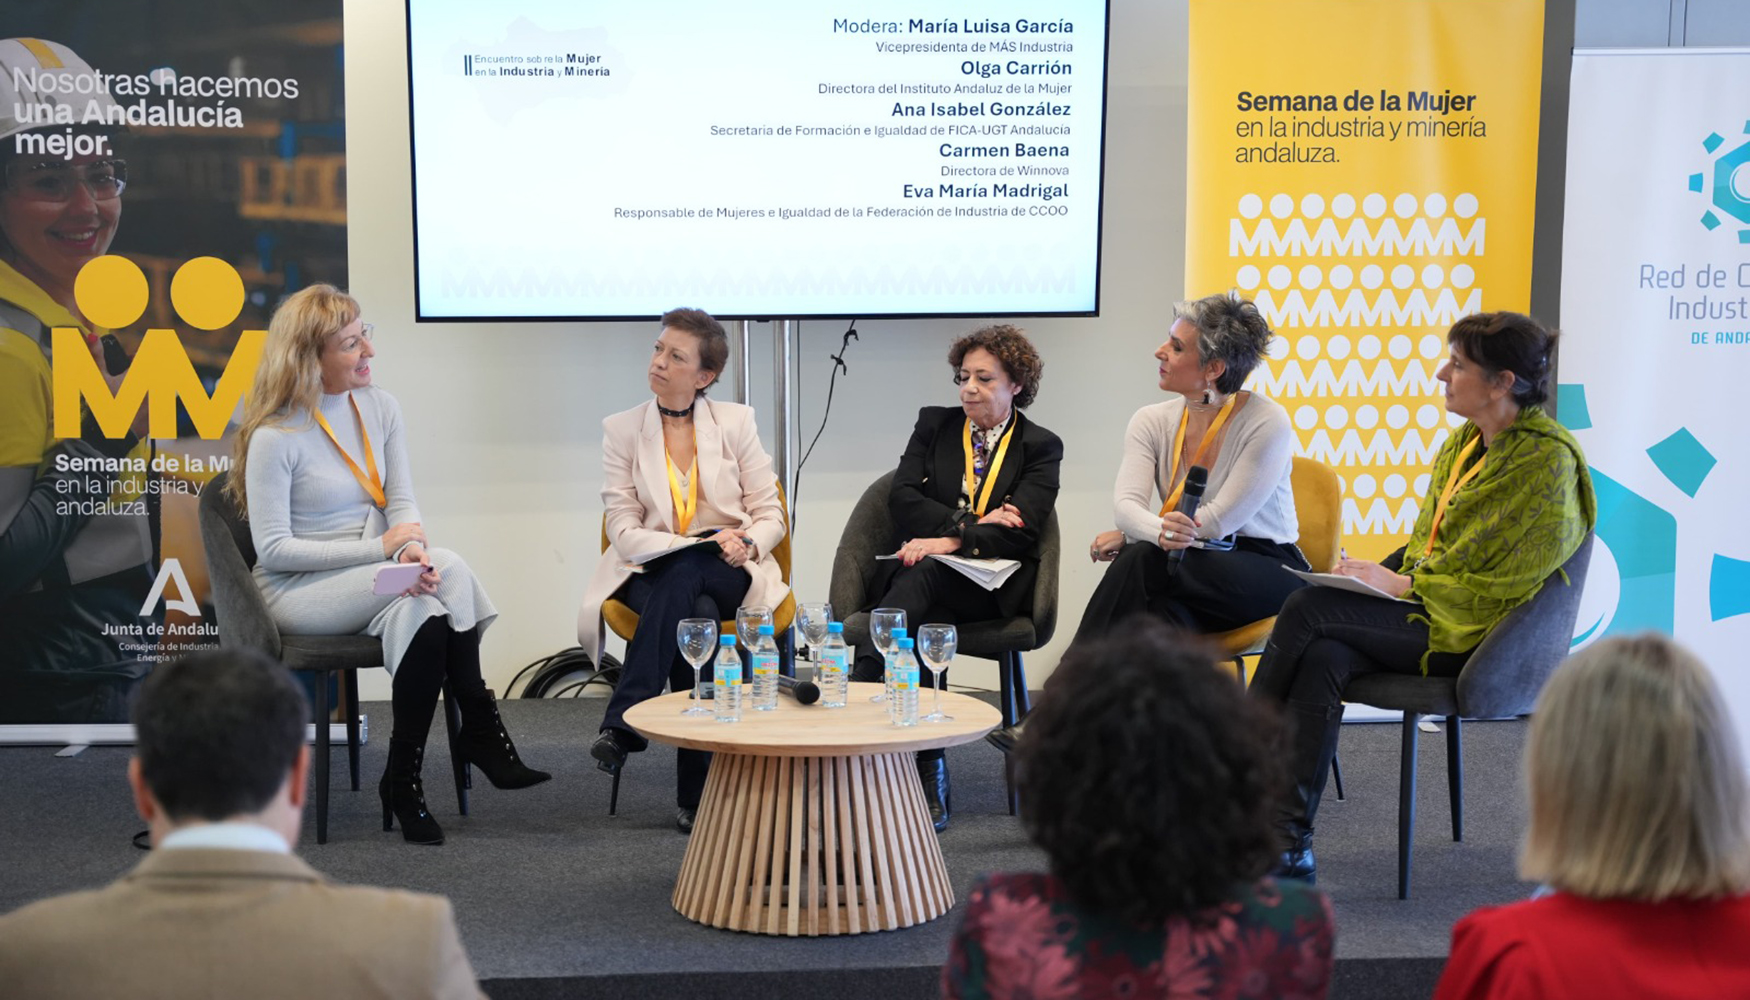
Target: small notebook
point(1341, 582)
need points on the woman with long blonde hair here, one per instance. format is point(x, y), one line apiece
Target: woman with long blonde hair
point(1640, 822)
point(321, 470)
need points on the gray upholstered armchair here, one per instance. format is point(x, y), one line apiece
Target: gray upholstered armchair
point(1502, 679)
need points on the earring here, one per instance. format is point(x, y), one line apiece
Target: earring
point(1208, 396)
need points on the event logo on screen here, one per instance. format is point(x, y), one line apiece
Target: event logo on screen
point(1730, 183)
point(112, 291)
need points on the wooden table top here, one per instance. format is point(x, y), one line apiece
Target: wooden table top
point(793, 730)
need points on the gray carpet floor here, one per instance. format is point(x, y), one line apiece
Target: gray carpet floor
point(552, 893)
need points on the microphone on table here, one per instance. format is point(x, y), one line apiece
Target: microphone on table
point(1196, 480)
point(805, 692)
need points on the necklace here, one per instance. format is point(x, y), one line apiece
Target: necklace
point(677, 414)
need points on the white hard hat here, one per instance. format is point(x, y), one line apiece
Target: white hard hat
point(35, 73)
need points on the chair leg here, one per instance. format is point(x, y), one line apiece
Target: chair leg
point(1023, 700)
point(321, 718)
point(1240, 670)
point(1337, 776)
point(614, 795)
point(350, 706)
point(1406, 804)
point(1455, 775)
point(1005, 690)
point(458, 763)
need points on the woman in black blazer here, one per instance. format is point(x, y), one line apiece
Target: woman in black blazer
point(977, 480)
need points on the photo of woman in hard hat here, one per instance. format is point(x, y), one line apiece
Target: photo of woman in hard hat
point(76, 531)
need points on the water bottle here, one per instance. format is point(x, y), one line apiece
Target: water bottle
point(887, 671)
point(905, 684)
point(765, 671)
point(726, 680)
point(833, 666)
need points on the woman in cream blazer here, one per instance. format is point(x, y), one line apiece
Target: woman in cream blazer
point(679, 468)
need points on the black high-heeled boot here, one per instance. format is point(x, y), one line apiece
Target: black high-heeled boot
point(933, 772)
point(487, 745)
point(404, 798)
point(1314, 744)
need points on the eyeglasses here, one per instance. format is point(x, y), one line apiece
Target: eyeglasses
point(351, 344)
point(49, 181)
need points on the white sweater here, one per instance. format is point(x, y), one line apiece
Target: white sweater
point(1250, 492)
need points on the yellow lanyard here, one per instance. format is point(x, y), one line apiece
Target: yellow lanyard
point(990, 475)
point(1202, 448)
point(373, 483)
point(1454, 483)
point(686, 503)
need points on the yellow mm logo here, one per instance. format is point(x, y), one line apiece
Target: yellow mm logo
point(112, 292)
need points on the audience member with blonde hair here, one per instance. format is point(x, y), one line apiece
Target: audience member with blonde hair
point(1639, 822)
point(321, 471)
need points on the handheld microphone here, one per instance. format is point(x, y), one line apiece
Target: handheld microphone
point(1196, 480)
point(805, 692)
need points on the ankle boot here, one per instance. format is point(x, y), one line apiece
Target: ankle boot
point(402, 796)
point(486, 745)
point(933, 772)
point(1314, 744)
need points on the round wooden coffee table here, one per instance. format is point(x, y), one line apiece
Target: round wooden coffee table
point(813, 819)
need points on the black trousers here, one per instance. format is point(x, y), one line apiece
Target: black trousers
point(1324, 637)
point(1208, 592)
point(696, 583)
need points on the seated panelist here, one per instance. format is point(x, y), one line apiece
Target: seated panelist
point(321, 469)
point(676, 468)
point(977, 480)
point(1245, 442)
point(1509, 501)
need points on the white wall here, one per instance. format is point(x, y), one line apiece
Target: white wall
point(505, 418)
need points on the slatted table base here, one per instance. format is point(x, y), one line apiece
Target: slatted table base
point(813, 846)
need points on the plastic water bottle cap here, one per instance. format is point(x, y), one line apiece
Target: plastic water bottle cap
point(726, 639)
point(765, 630)
point(899, 633)
point(904, 643)
point(834, 628)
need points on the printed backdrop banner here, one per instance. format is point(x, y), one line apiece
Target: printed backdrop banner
point(170, 172)
point(1365, 170)
point(1656, 353)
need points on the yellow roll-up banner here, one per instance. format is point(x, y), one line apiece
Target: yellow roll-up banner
point(1365, 170)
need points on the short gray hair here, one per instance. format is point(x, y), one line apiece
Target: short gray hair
point(1230, 328)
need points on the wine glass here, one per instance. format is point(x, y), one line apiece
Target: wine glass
point(882, 622)
point(748, 621)
point(812, 619)
point(936, 644)
point(697, 637)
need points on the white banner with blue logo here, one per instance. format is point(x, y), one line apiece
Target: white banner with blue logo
point(1655, 357)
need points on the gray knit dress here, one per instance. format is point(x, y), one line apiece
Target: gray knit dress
point(317, 533)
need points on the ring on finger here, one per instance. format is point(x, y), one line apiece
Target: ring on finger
point(1171, 536)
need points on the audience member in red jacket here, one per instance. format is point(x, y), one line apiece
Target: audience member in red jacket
point(1639, 822)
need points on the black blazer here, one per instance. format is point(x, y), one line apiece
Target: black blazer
point(926, 490)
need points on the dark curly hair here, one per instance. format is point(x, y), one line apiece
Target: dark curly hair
point(1509, 342)
point(1231, 328)
point(1008, 344)
point(1148, 776)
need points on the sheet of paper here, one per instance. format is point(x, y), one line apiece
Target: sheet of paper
point(1341, 582)
point(650, 557)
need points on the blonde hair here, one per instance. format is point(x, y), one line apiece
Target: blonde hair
point(289, 379)
point(1636, 781)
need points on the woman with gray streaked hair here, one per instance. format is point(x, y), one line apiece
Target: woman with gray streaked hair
point(1639, 823)
point(1246, 444)
point(1232, 551)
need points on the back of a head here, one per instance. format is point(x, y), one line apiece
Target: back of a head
point(217, 733)
point(1148, 776)
point(1636, 780)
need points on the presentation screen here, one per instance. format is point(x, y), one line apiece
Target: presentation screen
point(767, 159)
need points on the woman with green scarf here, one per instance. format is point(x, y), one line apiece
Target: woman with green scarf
point(1509, 500)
